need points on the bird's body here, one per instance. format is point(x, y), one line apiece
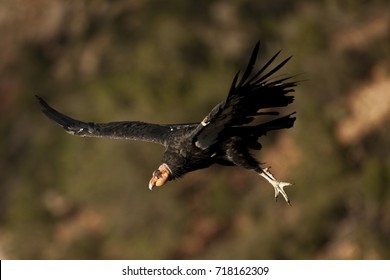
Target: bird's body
point(225, 136)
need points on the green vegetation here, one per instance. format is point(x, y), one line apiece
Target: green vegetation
point(63, 197)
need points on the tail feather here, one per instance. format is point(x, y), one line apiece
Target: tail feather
point(279, 123)
point(255, 131)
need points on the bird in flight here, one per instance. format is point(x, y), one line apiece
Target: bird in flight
point(225, 136)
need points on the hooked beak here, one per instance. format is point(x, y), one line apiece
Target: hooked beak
point(160, 176)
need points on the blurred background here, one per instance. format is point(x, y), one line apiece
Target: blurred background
point(64, 197)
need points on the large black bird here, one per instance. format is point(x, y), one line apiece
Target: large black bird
point(225, 136)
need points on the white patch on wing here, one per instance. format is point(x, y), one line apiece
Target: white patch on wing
point(199, 145)
point(205, 121)
point(214, 123)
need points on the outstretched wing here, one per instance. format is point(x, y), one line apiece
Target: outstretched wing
point(132, 130)
point(249, 101)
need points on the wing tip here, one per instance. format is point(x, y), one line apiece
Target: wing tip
point(64, 121)
point(40, 100)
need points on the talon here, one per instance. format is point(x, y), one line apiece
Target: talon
point(278, 186)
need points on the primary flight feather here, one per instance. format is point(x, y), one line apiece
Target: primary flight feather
point(225, 136)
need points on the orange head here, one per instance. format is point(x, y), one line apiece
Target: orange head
point(160, 176)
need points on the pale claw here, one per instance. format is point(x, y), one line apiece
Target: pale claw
point(278, 186)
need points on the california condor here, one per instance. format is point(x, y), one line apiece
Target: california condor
point(225, 136)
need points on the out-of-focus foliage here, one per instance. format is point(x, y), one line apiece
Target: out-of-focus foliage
point(63, 197)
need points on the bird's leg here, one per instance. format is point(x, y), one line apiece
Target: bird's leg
point(278, 186)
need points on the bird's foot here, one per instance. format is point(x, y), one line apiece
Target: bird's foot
point(278, 186)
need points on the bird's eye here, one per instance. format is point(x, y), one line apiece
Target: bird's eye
point(157, 173)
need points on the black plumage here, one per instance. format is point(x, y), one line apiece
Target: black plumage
point(225, 136)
